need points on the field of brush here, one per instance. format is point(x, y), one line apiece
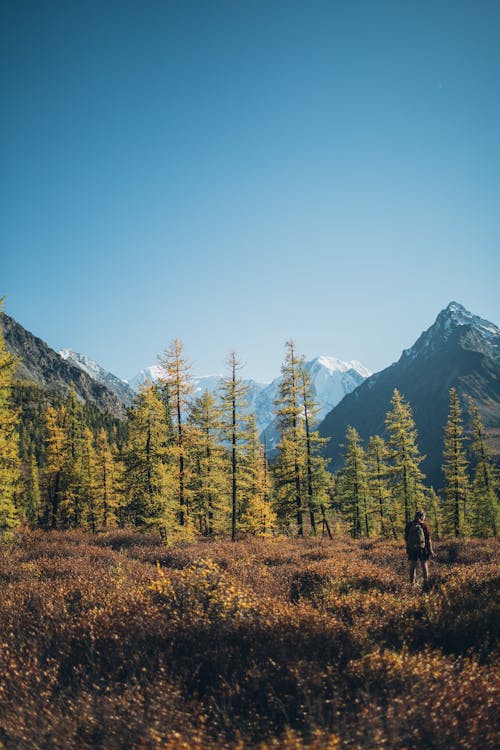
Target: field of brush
point(117, 642)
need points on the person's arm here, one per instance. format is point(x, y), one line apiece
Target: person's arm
point(428, 540)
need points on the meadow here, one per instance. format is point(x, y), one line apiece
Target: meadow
point(117, 641)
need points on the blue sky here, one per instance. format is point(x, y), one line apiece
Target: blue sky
point(239, 173)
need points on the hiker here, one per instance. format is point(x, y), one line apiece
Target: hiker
point(419, 546)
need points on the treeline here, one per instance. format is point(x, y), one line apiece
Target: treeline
point(189, 466)
point(381, 486)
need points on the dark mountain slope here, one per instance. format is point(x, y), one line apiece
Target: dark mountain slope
point(460, 350)
point(41, 365)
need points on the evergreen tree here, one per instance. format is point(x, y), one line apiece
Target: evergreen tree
point(289, 465)
point(9, 445)
point(105, 482)
point(434, 511)
point(485, 487)
point(354, 495)
point(144, 476)
point(255, 512)
point(233, 396)
point(177, 377)
point(406, 477)
point(210, 459)
point(53, 475)
point(88, 513)
point(72, 506)
point(32, 496)
point(319, 480)
point(456, 490)
point(378, 482)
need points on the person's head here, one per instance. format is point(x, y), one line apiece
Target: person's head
point(420, 515)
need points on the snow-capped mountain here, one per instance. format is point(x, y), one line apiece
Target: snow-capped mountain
point(331, 378)
point(459, 350)
point(148, 375)
point(115, 384)
point(449, 320)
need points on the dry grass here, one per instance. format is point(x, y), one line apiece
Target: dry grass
point(279, 644)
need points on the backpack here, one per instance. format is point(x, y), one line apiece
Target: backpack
point(416, 537)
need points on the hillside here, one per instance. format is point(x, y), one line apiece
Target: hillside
point(42, 366)
point(459, 350)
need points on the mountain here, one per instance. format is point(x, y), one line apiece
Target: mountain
point(148, 375)
point(113, 383)
point(331, 379)
point(40, 365)
point(459, 350)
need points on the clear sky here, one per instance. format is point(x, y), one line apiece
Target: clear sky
point(238, 173)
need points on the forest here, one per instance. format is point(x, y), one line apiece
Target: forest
point(190, 466)
point(168, 585)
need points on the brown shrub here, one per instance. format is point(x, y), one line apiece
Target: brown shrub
point(100, 648)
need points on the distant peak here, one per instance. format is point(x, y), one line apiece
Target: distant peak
point(333, 364)
point(453, 317)
point(456, 307)
point(67, 353)
point(458, 315)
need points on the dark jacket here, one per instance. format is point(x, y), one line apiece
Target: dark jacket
point(427, 534)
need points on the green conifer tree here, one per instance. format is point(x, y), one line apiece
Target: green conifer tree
point(234, 419)
point(485, 488)
point(144, 477)
point(105, 482)
point(378, 482)
point(289, 465)
point(32, 496)
point(88, 510)
point(71, 509)
point(9, 444)
point(176, 374)
point(456, 489)
point(318, 478)
point(55, 457)
point(255, 514)
point(211, 462)
point(406, 477)
point(354, 497)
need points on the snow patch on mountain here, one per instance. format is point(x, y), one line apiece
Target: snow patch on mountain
point(115, 384)
point(331, 378)
point(450, 319)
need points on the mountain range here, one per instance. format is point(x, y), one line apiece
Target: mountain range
point(459, 350)
point(39, 365)
point(331, 378)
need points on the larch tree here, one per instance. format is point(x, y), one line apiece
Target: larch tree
point(378, 482)
point(176, 374)
point(105, 482)
point(71, 508)
point(31, 493)
point(55, 458)
point(318, 478)
point(210, 462)
point(485, 515)
point(354, 495)
point(455, 465)
point(406, 477)
point(144, 476)
point(234, 418)
point(9, 445)
point(289, 465)
point(89, 511)
point(255, 514)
